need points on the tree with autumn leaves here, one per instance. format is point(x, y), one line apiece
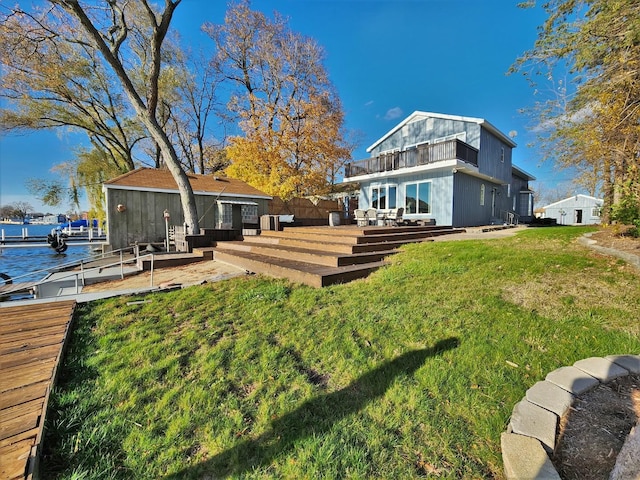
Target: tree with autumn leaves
point(111, 70)
point(294, 141)
point(591, 123)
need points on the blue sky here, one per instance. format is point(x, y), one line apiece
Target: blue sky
point(386, 59)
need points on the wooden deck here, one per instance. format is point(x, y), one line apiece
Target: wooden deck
point(322, 256)
point(32, 338)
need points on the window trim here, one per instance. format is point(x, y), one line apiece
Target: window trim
point(428, 201)
point(379, 188)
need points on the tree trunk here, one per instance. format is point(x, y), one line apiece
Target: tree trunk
point(146, 115)
point(607, 187)
point(170, 157)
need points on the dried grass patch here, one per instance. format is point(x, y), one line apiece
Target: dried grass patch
point(558, 296)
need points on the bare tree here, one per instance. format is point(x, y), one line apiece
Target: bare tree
point(591, 122)
point(21, 209)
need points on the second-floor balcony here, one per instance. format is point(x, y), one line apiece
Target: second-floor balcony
point(413, 157)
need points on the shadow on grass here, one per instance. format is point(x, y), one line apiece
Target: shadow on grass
point(314, 417)
point(66, 409)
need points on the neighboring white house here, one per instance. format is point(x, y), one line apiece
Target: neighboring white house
point(576, 210)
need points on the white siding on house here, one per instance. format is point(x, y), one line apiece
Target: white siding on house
point(576, 210)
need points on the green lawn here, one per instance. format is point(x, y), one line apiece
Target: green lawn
point(412, 372)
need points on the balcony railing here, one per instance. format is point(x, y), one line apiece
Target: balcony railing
point(420, 155)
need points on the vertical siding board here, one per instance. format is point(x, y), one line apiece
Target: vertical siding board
point(143, 220)
point(489, 156)
point(517, 185)
point(466, 201)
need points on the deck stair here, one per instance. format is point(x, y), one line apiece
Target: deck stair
point(321, 256)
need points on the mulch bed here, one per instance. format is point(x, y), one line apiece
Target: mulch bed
point(595, 428)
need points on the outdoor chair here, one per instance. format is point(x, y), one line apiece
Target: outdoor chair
point(361, 217)
point(394, 217)
point(372, 215)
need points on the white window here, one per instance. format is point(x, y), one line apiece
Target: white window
point(418, 198)
point(384, 196)
point(462, 136)
point(595, 212)
point(249, 214)
point(502, 154)
point(482, 188)
point(226, 215)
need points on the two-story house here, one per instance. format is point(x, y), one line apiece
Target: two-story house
point(451, 169)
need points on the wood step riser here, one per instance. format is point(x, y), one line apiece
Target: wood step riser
point(348, 276)
point(358, 240)
point(308, 278)
point(338, 248)
point(346, 239)
point(321, 256)
point(269, 269)
point(353, 230)
point(327, 247)
point(318, 257)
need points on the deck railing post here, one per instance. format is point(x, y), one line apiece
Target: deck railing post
point(121, 266)
point(152, 257)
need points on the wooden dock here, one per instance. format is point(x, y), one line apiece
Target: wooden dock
point(32, 338)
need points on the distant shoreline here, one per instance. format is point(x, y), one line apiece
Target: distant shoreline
point(9, 222)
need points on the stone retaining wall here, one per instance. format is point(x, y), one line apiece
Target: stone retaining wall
point(532, 431)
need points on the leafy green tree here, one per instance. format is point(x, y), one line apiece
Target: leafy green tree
point(51, 82)
point(592, 122)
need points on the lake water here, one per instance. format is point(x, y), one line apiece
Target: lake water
point(33, 263)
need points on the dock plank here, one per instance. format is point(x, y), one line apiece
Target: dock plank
point(40, 353)
point(32, 325)
point(26, 374)
point(29, 343)
point(23, 393)
point(32, 338)
point(11, 313)
point(20, 418)
point(45, 331)
point(14, 458)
